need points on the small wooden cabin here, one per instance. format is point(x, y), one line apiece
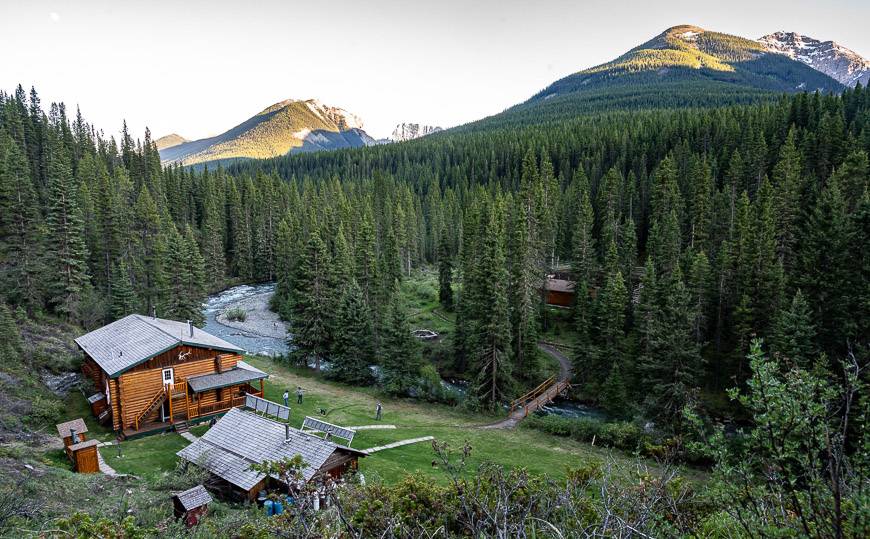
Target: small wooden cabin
point(191, 505)
point(79, 450)
point(72, 432)
point(241, 438)
point(155, 372)
point(559, 292)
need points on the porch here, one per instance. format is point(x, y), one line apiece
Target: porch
point(181, 404)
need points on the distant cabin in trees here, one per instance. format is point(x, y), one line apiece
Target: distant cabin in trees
point(153, 373)
point(242, 438)
point(559, 291)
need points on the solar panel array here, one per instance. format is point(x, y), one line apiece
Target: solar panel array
point(335, 431)
point(267, 407)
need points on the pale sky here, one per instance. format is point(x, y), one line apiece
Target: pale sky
point(197, 67)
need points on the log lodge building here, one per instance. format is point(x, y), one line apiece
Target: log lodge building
point(152, 374)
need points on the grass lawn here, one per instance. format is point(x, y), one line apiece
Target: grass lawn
point(540, 453)
point(148, 457)
point(75, 406)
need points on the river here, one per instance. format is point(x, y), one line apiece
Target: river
point(262, 333)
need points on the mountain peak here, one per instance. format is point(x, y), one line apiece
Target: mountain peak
point(168, 141)
point(292, 125)
point(828, 57)
point(410, 131)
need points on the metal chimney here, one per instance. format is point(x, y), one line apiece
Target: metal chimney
point(286, 432)
point(74, 437)
point(190, 325)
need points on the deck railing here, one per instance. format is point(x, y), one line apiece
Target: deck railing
point(197, 409)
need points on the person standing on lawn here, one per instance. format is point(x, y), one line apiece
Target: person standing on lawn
point(299, 393)
point(287, 397)
point(378, 411)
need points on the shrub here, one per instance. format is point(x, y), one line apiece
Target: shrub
point(620, 434)
point(236, 314)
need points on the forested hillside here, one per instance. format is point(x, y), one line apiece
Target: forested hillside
point(688, 232)
point(684, 66)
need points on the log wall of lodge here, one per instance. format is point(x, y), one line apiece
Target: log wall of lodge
point(133, 390)
point(140, 384)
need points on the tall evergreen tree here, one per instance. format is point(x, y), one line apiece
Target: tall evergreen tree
point(123, 298)
point(445, 274)
point(353, 350)
point(310, 305)
point(68, 252)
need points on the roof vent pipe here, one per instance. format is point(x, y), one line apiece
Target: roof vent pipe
point(190, 325)
point(74, 438)
point(286, 432)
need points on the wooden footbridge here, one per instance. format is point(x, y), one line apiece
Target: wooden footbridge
point(540, 396)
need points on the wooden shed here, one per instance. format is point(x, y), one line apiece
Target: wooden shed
point(154, 373)
point(84, 456)
point(242, 438)
point(191, 505)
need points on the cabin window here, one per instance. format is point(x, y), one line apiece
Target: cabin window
point(168, 376)
point(220, 394)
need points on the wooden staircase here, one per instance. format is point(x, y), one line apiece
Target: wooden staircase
point(152, 405)
point(182, 427)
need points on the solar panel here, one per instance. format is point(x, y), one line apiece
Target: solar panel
point(329, 429)
point(267, 407)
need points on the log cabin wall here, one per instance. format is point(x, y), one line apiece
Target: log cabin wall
point(139, 385)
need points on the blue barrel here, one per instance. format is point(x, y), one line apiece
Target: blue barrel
point(269, 506)
point(278, 508)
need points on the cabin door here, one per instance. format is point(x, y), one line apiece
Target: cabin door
point(168, 377)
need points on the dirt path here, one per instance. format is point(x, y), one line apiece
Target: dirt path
point(551, 393)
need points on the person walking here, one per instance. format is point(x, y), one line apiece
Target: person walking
point(299, 393)
point(378, 411)
point(287, 397)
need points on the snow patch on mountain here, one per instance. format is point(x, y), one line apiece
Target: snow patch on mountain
point(838, 62)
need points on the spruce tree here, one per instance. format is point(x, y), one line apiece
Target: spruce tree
point(123, 298)
point(353, 350)
point(400, 351)
point(445, 274)
point(310, 309)
point(67, 253)
point(794, 333)
point(21, 230)
point(491, 338)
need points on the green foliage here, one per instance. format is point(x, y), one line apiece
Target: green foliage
point(236, 314)
point(795, 471)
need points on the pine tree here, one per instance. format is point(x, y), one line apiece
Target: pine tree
point(21, 230)
point(149, 251)
point(822, 276)
point(310, 305)
point(402, 361)
point(68, 252)
point(610, 311)
point(671, 362)
point(491, 337)
point(353, 350)
point(614, 393)
point(213, 241)
point(787, 179)
point(123, 298)
point(583, 249)
point(794, 334)
point(445, 274)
